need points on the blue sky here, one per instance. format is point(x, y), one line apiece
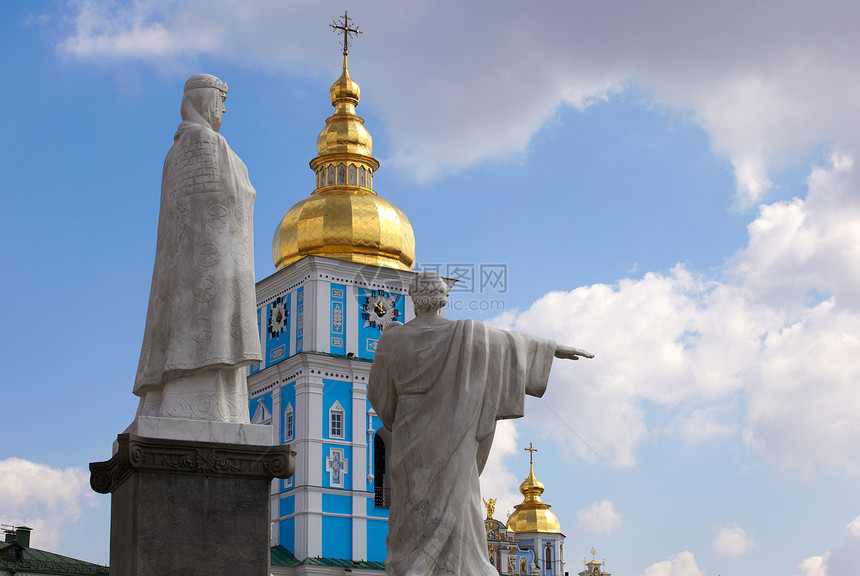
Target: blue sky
point(671, 186)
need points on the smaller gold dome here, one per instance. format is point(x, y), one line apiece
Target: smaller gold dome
point(345, 87)
point(533, 515)
point(344, 131)
point(531, 484)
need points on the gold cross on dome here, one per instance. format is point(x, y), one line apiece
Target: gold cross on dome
point(531, 452)
point(343, 26)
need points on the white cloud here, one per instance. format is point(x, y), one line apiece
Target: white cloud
point(704, 423)
point(812, 566)
point(733, 541)
point(43, 498)
point(841, 560)
point(497, 481)
point(765, 92)
point(598, 518)
point(802, 411)
point(803, 403)
point(752, 180)
point(661, 340)
point(755, 351)
point(854, 528)
point(683, 564)
point(116, 31)
point(804, 244)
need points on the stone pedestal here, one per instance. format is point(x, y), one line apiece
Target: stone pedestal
point(189, 507)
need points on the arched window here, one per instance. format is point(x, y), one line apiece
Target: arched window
point(378, 460)
point(289, 424)
point(547, 558)
point(351, 175)
point(381, 494)
point(335, 420)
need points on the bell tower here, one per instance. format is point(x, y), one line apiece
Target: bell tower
point(536, 527)
point(343, 257)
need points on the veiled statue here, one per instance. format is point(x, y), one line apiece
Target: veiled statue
point(201, 323)
point(440, 386)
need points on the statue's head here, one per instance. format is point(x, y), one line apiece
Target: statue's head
point(203, 101)
point(429, 292)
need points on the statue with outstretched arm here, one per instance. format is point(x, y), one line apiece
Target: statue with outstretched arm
point(440, 386)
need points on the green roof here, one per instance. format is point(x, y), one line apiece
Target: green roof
point(35, 560)
point(283, 557)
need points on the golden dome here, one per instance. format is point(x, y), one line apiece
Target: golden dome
point(341, 224)
point(344, 218)
point(533, 515)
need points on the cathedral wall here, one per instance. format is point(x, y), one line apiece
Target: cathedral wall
point(319, 322)
point(377, 531)
point(336, 537)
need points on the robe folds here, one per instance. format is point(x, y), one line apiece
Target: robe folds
point(202, 304)
point(440, 390)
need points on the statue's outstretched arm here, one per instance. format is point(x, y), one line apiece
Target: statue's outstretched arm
point(571, 353)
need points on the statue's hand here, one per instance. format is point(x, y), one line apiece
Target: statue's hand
point(571, 353)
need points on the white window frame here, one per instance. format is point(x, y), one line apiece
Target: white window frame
point(289, 424)
point(336, 410)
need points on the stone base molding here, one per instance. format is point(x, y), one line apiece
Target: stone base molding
point(190, 508)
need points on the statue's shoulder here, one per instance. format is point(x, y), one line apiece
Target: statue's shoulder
point(197, 135)
point(469, 325)
point(393, 325)
point(386, 340)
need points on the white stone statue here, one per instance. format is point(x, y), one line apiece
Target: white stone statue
point(440, 386)
point(201, 328)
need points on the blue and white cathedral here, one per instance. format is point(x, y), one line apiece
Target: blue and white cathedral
point(344, 258)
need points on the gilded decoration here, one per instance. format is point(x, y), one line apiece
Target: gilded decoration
point(593, 567)
point(533, 515)
point(491, 507)
point(344, 218)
